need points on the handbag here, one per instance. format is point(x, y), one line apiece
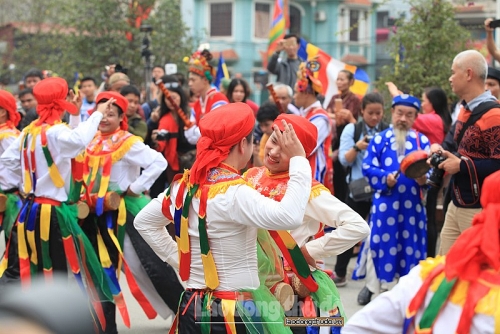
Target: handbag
point(361, 190)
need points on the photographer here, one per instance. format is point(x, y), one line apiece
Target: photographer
point(353, 143)
point(477, 135)
point(169, 137)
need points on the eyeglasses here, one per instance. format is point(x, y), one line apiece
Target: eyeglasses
point(169, 85)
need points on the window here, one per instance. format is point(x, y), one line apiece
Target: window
point(354, 25)
point(295, 21)
point(262, 20)
point(221, 19)
point(382, 19)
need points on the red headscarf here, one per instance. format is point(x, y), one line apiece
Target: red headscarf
point(120, 102)
point(221, 129)
point(8, 102)
point(305, 130)
point(479, 246)
point(51, 96)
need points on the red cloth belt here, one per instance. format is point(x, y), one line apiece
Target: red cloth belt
point(45, 200)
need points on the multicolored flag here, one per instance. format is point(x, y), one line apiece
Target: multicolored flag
point(278, 26)
point(328, 69)
point(222, 72)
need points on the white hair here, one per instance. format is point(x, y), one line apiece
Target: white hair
point(474, 60)
point(280, 85)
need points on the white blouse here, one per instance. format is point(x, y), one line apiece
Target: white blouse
point(232, 222)
point(64, 144)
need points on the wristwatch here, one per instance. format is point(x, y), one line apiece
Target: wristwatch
point(356, 148)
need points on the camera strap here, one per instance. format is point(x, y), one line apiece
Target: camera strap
point(478, 112)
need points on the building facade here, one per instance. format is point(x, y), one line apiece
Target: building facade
point(345, 29)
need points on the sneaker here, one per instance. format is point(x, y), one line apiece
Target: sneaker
point(340, 281)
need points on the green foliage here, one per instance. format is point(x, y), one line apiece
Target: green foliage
point(424, 47)
point(86, 35)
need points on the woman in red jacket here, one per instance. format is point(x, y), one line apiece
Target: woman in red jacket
point(239, 91)
point(169, 137)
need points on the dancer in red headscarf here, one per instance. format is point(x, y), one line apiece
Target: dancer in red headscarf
point(216, 216)
point(46, 236)
point(112, 165)
point(322, 209)
point(9, 181)
point(457, 293)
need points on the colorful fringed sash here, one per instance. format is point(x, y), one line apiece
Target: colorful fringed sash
point(100, 155)
point(29, 180)
point(479, 297)
point(219, 180)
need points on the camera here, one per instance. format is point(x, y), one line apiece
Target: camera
point(146, 28)
point(162, 135)
point(436, 178)
point(368, 138)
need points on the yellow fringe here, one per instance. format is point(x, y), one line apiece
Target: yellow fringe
point(117, 154)
point(222, 187)
point(316, 190)
point(9, 134)
point(488, 305)
point(210, 270)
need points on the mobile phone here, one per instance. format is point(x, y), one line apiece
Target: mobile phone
point(494, 24)
point(368, 138)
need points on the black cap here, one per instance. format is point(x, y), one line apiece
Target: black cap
point(493, 73)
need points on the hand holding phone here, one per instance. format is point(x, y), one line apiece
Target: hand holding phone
point(494, 24)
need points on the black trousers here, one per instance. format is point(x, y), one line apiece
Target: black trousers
point(363, 209)
point(190, 316)
point(339, 184)
point(430, 207)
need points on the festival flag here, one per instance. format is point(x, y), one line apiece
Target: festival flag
point(78, 76)
point(277, 31)
point(222, 72)
point(328, 69)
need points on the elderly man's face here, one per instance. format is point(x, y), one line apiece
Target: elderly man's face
point(283, 97)
point(458, 79)
point(403, 117)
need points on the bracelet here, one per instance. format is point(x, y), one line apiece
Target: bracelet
point(356, 148)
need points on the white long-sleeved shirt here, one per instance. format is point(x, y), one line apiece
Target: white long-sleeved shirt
point(64, 144)
point(126, 172)
point(232, 222)
point(8, 179)
point(386, 313)
point(325, 208)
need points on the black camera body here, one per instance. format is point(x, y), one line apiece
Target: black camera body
point(436, 178)
point(368, 138)
point(162, 135)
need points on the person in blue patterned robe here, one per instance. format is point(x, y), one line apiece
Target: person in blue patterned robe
point(397, 219)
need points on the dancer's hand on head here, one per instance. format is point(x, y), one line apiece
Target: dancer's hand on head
point(104, 107)
point(288, 141)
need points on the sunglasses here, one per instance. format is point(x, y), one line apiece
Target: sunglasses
point(169, 85)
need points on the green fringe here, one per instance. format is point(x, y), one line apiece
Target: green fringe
point(439, 298)
point(135, 204)
point(327, 296)
point(271, 313)
point(268, 259)
point(66, 215)
point(13, 206)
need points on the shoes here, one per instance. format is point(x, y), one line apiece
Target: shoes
point(340, 281)
point(364, 296)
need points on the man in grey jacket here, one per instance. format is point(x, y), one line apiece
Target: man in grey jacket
point(286, 69)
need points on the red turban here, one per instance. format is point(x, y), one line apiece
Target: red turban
point(305, 130)
point(51, 95)
point(120, 102)
point(8, 102)
point(478, 247)
point(221, 129)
